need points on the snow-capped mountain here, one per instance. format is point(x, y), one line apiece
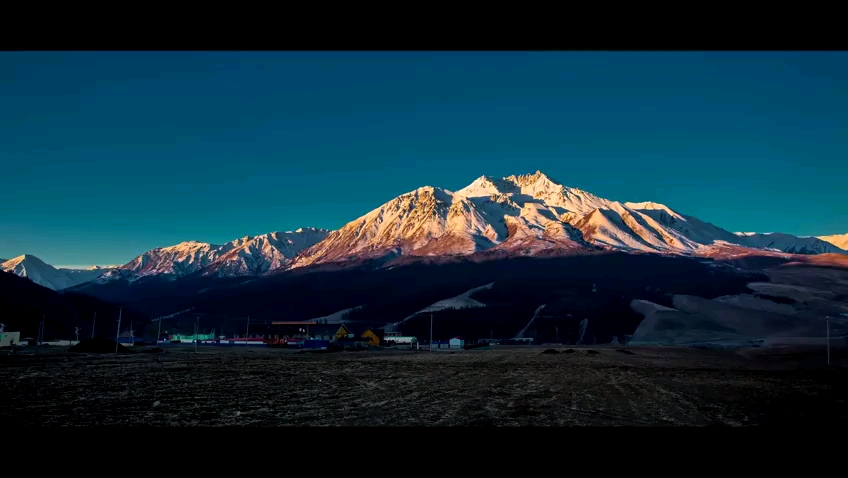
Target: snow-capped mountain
point(788, 243)
point(264, 253)
point(838, 240)
point(48, 276)
point(526, 213)
point(244, 256)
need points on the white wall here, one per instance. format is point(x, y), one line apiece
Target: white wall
point(7, 338)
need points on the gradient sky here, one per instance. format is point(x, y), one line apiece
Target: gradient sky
point(108, 154)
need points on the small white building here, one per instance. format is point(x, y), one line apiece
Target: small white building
point(9, 338)
point(456, 342)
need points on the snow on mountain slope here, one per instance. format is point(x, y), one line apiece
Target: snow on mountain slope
point(621, 227)
point(788, 243)
point(264, 253)
point(838, 240)
point(243, 256)
point(517, 214)
point(336, 317)
point(180, 259)
point(691, 227)
point(538, 188)
point(46, 275)
point(405, 223)
point(460, 301)
point(528, 214)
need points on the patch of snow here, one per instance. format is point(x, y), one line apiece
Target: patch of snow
point(460, 301)
point(336, 317)
point(520, 334)
point(790, 244)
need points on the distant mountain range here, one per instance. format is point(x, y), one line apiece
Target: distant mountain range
point(525, 215)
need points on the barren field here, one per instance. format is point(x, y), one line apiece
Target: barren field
point(507, 386)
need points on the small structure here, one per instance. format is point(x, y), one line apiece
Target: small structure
point(343, 333)
point(375, 337)
point(347, 336)
point(173, 338)
point(400, 340)
point(7, 339)
point(454, 343)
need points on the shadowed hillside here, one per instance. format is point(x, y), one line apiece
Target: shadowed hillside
point(521, 285)
point(23, 303)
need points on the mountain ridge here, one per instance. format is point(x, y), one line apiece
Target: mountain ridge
point(489, 212)
point(31, 267)
point(248, 255)
point(525, 214)
point(838, 240)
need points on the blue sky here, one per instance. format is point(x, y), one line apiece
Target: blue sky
point(108, 154)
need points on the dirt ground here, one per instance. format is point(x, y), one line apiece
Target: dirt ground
point(501, 386)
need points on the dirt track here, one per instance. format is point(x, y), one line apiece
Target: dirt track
point(518, 386)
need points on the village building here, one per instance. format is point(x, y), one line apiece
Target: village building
point(454, 343)
point(172, 338)
point(367, 335)
point(7, 339)
point(393, 337)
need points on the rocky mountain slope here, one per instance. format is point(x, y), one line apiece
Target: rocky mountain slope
point(526, 215)
point(788, 243)
point(43, 274)
point(244, 256)
point(838, 240)
point(523, 215)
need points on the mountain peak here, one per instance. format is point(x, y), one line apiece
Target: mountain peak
point(44, 274)
point(534, 178)
point(29, 258)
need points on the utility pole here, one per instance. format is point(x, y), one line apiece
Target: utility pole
point(247, 331)
point(93, 324)
point(41, 331)
point(196, 326)
point(118, 337)
point(431, 332)
point(828, 340)
point(159, 331)
point(557, 333)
